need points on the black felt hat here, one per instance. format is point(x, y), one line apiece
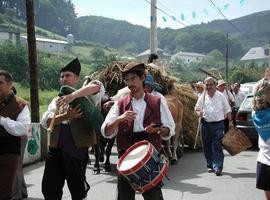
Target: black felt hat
point(74, 66)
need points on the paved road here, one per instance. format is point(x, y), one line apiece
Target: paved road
point(188, 180)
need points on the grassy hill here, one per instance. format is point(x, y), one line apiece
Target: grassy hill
point(254, 31)
point(254, 28)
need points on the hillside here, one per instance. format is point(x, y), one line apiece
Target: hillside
point(58, 19)
point(254, 28)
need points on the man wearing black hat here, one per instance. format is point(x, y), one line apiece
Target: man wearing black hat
point(68, 148)
point(135, 117)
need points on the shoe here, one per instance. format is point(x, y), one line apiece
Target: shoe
point(210, 170)
point(218, 172)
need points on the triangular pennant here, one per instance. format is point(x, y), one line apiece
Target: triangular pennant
point(183, 17)
point(164, 19)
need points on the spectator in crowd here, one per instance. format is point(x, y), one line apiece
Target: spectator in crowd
point(199, 86)
point(14, 124)
point(261, 120)
point(222, 87)
point(239, 97)
point(266, 77)
point(213, 108)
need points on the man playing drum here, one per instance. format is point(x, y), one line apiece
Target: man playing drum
point(69, 141)
point(135, 117)
point(213, 107)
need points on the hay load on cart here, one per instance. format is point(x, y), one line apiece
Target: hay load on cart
point(112, 80)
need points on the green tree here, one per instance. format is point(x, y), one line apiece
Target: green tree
point(14, 59)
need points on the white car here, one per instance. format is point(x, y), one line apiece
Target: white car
point(247, 87)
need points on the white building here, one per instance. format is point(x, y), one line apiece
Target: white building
point(51, 46)
point(12, 35)
point(187, 57)
point(256, 54)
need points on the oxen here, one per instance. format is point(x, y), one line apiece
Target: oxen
point(102, 144)
point(174, 146)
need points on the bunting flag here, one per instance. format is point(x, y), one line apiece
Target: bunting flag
point(205, 11)
point(225, 7)
point(183, 17)
point(242, 2)
point(173, 17)
point(193, 14)
point(164, 19)
point(152, 18)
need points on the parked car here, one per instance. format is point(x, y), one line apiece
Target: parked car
point(247, 87)
point(244, 120)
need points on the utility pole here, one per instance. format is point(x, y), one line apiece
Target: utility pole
point(227, 55)
point(153, 29)
point(32, 56)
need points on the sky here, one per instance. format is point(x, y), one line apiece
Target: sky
point(170, 13)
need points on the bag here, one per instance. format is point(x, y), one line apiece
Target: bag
point(90, 112)
point(235, 141)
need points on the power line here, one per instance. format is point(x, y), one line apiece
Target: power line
point(219, 11)
point(164, 12)
point(214, 5)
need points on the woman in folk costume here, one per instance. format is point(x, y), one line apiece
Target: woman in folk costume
point(261, 120)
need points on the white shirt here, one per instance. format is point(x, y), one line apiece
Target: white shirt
point(20, 126)
point(139, 107)
point(239, 98)
point(97, 98)
point(215, 108)
point(229, 96)
point(264, 153)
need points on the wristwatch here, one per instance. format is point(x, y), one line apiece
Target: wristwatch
point(158, 130)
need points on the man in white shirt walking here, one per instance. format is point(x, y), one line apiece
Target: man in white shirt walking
point(213, 108)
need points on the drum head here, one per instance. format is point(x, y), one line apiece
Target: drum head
point(134, 157)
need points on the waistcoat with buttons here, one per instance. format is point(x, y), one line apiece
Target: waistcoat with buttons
point(152, 114)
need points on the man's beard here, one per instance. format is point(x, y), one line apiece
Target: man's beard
point(133, 89)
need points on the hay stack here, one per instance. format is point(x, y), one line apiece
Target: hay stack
point(186, 95)
point(190, 121)
point(111, 77)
